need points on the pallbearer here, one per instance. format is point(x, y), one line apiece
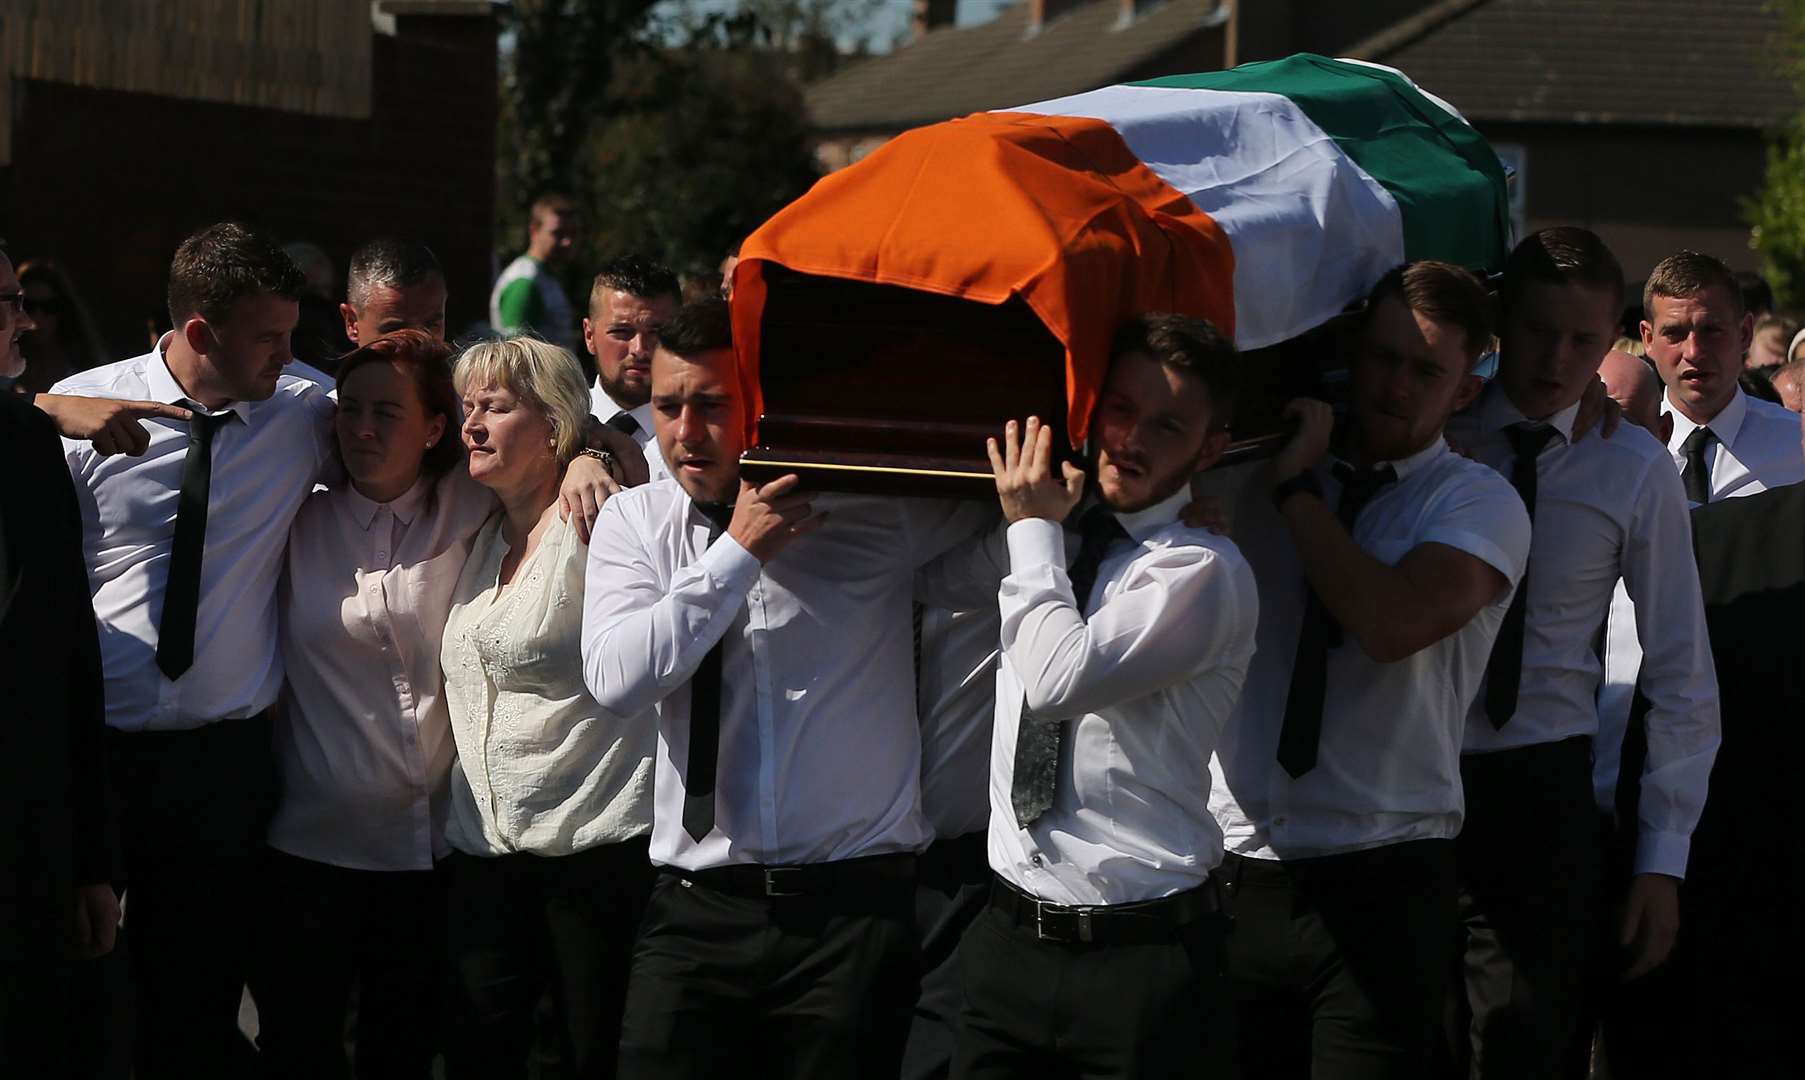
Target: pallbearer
point(1384, 573)
point(1101, 952)
point(771, 630)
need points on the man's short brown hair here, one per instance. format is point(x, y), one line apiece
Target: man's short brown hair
point(222, 264)
point(1684, 275)
point(1444, 292)
point(550, 203)
point(1565, 255)
point(1190, 345)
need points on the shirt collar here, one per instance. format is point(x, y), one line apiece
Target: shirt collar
point(161, 386)
point(1497, 412)
point(363, 510)
point(1422, 459)
point(1725, 425)
point(605, 408)
point(1142, 524)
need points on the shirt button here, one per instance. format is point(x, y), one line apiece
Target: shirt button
point(1035, 859)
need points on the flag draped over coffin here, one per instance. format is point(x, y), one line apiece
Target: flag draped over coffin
point(1266, 198)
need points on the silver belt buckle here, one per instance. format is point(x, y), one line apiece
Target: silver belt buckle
point(1069, 925)
point(775, 876)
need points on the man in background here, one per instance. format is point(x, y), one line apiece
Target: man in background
point(394, 284)
point(527, 296)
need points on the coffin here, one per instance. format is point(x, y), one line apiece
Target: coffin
point(973, 272)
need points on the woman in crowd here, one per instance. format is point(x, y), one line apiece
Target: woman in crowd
point(65, 341)
point(551, 799)
point(364, 743)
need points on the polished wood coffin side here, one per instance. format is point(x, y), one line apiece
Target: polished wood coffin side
point(877, 388)
point(880, 389)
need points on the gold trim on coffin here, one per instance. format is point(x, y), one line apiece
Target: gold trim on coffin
point(862, 468)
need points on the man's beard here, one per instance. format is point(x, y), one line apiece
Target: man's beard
point(620, 392)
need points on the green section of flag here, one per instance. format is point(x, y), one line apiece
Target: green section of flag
point(1448, 183)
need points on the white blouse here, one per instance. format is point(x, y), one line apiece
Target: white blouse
point(541, 767)
point(363, 744)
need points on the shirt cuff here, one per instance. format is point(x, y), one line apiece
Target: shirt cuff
point(1663, 853)
point(730, 564)
point(1036, 542)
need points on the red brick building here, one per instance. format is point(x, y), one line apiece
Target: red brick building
point(125, 126)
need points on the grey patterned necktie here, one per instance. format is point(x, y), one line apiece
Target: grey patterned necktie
point(1039, 741)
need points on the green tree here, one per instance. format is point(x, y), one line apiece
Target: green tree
point(714, 141)
point(1776, 215)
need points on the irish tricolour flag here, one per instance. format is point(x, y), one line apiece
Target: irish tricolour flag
point(1267, 198)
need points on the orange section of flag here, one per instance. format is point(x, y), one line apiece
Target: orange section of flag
point(1054, 209)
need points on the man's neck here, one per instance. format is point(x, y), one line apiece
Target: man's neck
point(190, 371)
point(1527, 415)
point(1700, 417)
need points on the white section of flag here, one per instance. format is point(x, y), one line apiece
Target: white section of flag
point(1311, 231)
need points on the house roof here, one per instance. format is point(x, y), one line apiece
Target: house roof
point(956, 71)
point(1663, 62)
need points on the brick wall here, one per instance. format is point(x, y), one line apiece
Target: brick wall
point(109, 182)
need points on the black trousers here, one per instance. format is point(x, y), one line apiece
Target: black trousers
point(520, 925)
point(816, 986)
point(1047, 1009)
point(193, 806)
point(1531, 872)
point(951, 889)
point(1340, 964)
point(328, 930)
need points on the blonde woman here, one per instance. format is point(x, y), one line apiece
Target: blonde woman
point(550, 799)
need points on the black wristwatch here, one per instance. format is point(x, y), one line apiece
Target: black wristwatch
point(1302, 482)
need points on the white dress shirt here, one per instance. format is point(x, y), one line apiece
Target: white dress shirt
point(819, 753)
point(1388, 764)
point(605, 409)
point(264, 465)
point(1145, 676)
point(1757, 447)
point(956, 697)
point(1608, 509)
point(364, 744)
point(541, 768)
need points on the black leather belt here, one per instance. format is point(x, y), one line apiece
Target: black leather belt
point(867, 874)
point(1105, 924)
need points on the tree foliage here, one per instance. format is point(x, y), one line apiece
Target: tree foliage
point(679, 126)
point(1776, 214)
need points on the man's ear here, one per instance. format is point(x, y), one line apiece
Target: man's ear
point(589, 336)
point(349, 314)
point(1469, 389)
point(198, 335)
point(1215, 444)
point(1748, 331)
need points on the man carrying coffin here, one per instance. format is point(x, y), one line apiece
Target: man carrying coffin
point(1102, 949)
point(771, 630)
point(1383, 580)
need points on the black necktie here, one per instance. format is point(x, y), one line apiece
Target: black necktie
point(624, 423)
point(1697, 475)
point(1038, 741)
point(1504, 675)
point(182, 592)
point(704, 713)
point(1302, 731)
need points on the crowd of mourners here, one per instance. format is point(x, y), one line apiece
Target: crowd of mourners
point(465, 709)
